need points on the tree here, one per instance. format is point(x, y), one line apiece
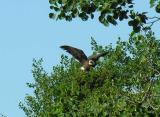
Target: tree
point(125, 83)
point(109, 11)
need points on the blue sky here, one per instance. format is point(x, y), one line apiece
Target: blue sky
point(26, 32)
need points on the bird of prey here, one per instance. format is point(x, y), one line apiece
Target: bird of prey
point(86, 62)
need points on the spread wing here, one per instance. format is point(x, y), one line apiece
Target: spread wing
point(76, 53)
point(97, 56)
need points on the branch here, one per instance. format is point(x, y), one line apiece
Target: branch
point(147, 92)
point(152, 22)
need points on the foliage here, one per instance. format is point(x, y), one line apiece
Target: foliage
point(69, 9)
point(125, 83)
point(155, 3)
point(108, 11)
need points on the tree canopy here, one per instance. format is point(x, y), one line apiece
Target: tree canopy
point(109, 11)
point(124, 83)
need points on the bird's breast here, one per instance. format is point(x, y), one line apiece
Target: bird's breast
point(86, 66)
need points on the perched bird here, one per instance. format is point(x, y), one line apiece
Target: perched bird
point(86, 62)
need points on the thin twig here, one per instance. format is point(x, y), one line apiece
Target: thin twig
point(152, 22)
point(153, 17)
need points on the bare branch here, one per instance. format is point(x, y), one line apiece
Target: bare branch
point(154, 21)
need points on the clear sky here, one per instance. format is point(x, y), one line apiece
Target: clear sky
point(26, 32)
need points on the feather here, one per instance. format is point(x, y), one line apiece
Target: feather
point(97, 56)
point(76, 53)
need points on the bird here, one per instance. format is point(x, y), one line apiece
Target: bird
point(86, 62)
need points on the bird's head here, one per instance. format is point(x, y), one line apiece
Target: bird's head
point(91, 63)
